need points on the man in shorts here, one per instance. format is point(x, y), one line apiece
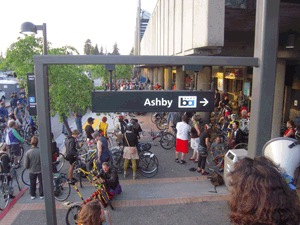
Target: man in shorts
point(182, 141)
point(72, 153)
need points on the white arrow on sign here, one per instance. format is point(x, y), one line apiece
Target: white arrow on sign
point(205, 101)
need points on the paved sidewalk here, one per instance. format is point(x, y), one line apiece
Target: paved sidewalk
point(174, 196)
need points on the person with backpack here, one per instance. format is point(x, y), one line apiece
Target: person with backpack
point(72, 153)
point(89, 130)
point(18, 113)
point(32, 162)
point(14, 139)
point(5, 163)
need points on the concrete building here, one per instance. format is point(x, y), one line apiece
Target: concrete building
point(224, 28)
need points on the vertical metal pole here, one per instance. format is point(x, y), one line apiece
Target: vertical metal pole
point(196, 80)
point(43, 111)
point(110, 80)
point(115, 78)
point(264, 76)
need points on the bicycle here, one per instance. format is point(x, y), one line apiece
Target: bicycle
point(100, 193)
point(7, 185)
point(167, 139)
point(147, 164)
point(216, 160)
point(62, 189)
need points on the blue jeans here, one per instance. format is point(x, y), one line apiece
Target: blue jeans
point(78, 122)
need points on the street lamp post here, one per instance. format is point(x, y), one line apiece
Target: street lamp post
point(43, 109)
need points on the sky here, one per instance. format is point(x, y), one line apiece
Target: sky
point(72, 22)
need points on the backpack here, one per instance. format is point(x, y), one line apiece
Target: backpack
point(68, 142)
point(177, 118)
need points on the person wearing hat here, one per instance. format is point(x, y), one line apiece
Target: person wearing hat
point(103, 154)
point(89, 130)
point(204, 146)
point(130, 142)
point(72, 153)
point(103, 125)
point(3, 111)
point(5, 162)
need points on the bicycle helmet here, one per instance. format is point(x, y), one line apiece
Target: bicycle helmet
point(129, 126)
point(233, 116)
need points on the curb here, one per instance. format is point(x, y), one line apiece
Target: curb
point(12, 203)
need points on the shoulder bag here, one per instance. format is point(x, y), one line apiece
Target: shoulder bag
point(132, 150)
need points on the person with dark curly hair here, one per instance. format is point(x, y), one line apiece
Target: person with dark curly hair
point(260, 194)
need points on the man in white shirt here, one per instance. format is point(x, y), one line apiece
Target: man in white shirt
point(182, 141)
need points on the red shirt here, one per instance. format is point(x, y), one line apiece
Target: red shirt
point(293, 129)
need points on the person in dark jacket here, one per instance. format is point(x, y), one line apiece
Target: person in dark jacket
point(5, 162)
point(3, 111)
point(109, 177)
point(72, 153)
point(32, 162)
point(236, 135)
point(130, 142)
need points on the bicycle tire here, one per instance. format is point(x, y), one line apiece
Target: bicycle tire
point(147, 167)
point(104, 195)
point(28, 134)
point(61, 158)
point(167, 141)
point(241, 146)
point(210, 161)
point(153, 118)
point(15, 175)
point(115, 121)
point(25, 177)
point(160, 123)
point(72, 215)
point(148, 153)
point(5, 190)
point(119, 163)
point(65, 188)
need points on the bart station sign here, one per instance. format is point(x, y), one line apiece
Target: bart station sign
point(152, 101)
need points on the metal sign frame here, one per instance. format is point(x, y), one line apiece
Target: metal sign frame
point(266, 43)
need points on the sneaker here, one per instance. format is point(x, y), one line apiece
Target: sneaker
point(41, 197)
point(182, 162)
point(177, 160)
point(32, 197)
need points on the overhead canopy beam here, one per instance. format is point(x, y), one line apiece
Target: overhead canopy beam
point(145, 60)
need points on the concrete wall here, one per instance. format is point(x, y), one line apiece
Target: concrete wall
point(177, 27)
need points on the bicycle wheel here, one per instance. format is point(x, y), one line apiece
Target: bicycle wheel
point(25, 177)
point(147, 153)
point(61, 162)
point(63, 190)
point(153, 117)
point(28, 134)
point(161, 123)
point(167, 141)
point(147, 166)
point(118, 163)
point(210, 161)
point(241, 146)
point(5, 190)
point(72, 214)
point(15, 175)
point(104, 195)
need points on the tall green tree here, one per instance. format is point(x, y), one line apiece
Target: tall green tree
point(92, 50)
point(69, 90)
point(132, 51)
point(96, 50)
point(115, 49)
point(87, 47)
point(101, 50)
